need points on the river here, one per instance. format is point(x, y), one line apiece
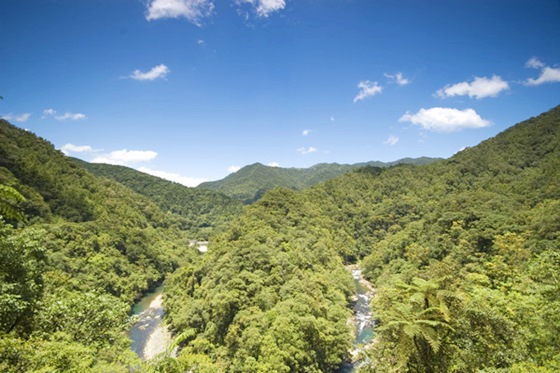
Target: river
point(362, 321)
point(149, 334)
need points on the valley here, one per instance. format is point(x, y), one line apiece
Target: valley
point(461, 253)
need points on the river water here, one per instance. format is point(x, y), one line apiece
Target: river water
point(149, 334)
point(362, 321)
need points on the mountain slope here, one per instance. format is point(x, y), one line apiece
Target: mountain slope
point(196, 211)
point(70, 272)
point(463, 254)
point(251, 182)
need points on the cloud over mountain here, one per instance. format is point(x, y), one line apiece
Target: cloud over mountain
point(439, 119)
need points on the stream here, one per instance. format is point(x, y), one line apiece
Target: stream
point(149, 334)
point(362, 321)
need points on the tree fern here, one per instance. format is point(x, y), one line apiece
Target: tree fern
point(9, 200)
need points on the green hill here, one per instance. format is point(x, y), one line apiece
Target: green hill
point(196, 211)
point(463, 254)
point(71, 270)
point(251, 182)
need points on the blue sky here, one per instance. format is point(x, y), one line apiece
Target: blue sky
point(191, 90)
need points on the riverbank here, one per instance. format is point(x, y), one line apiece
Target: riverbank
point(149, 335)
point(361, 320)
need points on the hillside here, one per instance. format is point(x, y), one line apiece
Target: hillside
point(251, 182)
point(462, 254)
point(71, 270)
point(196, 211)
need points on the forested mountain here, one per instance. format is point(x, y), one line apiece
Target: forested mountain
point(70, 271)
point(195, 211)
point(464, 254)
point(251, 182)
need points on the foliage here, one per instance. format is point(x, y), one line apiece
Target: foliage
point(251, 182)
point(9, 199)
point(69, 273)
point(195, 211)
point(463, 254)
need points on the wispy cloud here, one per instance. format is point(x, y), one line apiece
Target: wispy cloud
point(306, 132)
point(48, 112)
point(159, 71)
point(17, 117)
point(71, 116)
point(367, 89)
point(480, 87)
point(548, 74)
point(65, 116)
point(125, 157)
point(71, 148)
point(193, 10)
point(171, 176)
point(440, 119)
point(391, 140)
point(332, 118)
point(307, 150)
point(397, 78)
point(534, 63)
point(263, 8)
point(232, 169)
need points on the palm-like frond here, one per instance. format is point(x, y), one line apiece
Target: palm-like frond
point(9, 200)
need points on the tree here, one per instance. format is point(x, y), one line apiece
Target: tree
point(9, 200)
point(415, 319)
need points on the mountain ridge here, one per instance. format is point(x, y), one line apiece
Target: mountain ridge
point(249, 183)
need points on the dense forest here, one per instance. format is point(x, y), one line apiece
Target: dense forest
point(251, 182)
point(75, 252)
point(198, 212)
point(464, 255)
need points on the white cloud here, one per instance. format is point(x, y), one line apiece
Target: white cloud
point(332, 118)
point(192, 10)
point(71, 116)
point(200, 42)
point(440, 119)
point(48, 112)
point(391, 140)
point(71, 148)
point(159, 71)
point(65, 116)
point(367, 89)
point(184, 180)
point(273, 164)
point(125, 157)
point(479, 88)
point(232, 169)
point(534, 63)
point(307, 150)
point(264, 8)
point(548, 74)
point(17, 118)
point(397, 78)
point(306, 132)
